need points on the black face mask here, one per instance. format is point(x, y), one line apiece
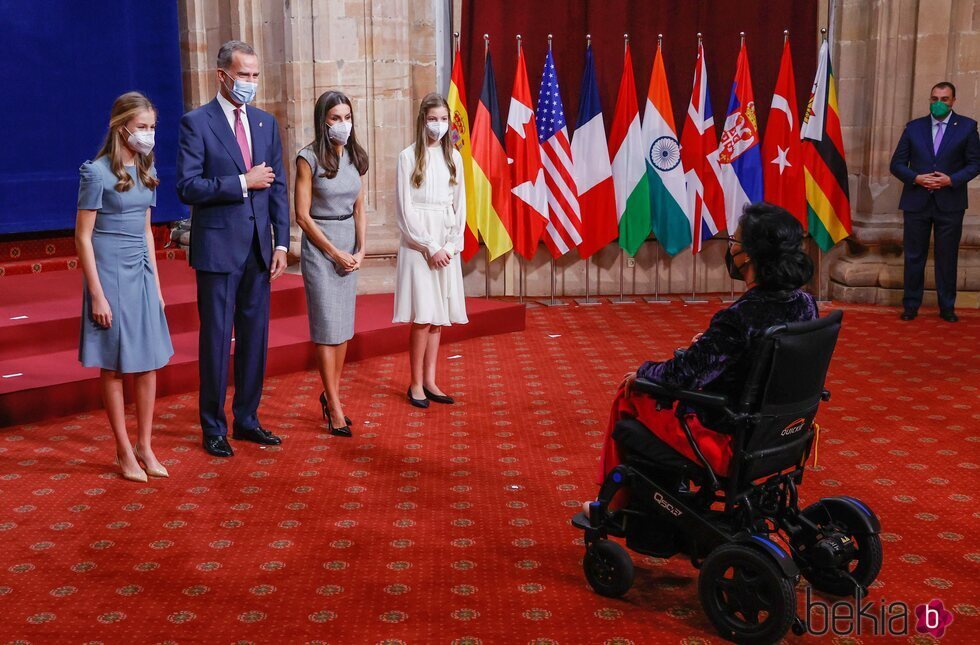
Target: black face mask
point(734, 270)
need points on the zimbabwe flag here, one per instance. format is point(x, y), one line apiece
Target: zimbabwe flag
point(827, 200)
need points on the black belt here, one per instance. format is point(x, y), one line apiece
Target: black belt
point(332, 218)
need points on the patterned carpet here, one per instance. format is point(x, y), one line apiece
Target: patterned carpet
point(451, 525)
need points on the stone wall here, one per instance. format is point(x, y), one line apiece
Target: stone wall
point(384, 55)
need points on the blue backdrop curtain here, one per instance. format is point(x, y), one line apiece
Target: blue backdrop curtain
point(61, 66)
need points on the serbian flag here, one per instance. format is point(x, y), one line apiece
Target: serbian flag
point(699, 154)
point(668, 192)
point(739, 152)
point(827, 200)
point(564, 231)
point(491, 199)
point(781, 148)
point(529, 195)
point(459, 130)
point(592, 170)
point(628, 166)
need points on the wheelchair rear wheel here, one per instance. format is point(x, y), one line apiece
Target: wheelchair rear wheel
point(608, 568)
point(745, 595)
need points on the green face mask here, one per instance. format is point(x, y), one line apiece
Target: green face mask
point(939, 109)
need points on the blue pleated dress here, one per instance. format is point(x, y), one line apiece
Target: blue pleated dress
point(139, 339)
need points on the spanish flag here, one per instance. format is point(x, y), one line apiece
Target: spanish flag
point(827, 200)
point(491, 174)
point(460, 132)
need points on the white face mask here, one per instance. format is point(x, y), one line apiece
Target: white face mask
point(141, 141)
point(437, 129)
point(339, 132)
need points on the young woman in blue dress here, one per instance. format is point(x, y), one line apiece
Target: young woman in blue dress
point(124, 329)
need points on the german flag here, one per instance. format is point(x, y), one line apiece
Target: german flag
point(459, 130)
point(491, 174)
point(827, 200)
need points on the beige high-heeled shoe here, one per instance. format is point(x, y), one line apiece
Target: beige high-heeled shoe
point(139, 476)
point(153, 472)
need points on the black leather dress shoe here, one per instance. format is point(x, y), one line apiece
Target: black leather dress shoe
point(256, 435)
point(217, 446)
point(419, 403)
point(948, 315)
point(438, 398)
point(909, 314)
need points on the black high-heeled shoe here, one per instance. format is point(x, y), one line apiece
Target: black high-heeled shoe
point(326, 409)
point(343, 431)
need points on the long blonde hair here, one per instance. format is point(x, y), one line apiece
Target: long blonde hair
point(125, 108)
point(430, 101)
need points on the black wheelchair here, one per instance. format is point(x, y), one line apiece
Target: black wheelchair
point(726, 525)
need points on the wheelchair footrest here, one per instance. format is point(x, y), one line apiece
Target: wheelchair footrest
point(581, 521)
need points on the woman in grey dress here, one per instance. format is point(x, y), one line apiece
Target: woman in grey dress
point(124, 330)
point(329, 201)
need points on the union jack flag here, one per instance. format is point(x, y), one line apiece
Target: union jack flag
point(564, 230)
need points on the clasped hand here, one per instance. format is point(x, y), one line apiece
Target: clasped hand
point(259, 177)
point(439, 259)
point(933, 180)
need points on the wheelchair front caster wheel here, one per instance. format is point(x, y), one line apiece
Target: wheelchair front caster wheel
point(608, 568)
point(746, 596)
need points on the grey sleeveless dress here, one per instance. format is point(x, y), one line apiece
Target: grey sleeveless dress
point(330, 294)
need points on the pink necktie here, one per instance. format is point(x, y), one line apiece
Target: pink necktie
point(242, 139)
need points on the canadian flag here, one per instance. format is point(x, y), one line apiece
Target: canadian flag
point(530, 202)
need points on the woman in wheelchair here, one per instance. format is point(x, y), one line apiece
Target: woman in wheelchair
point(733, 415)
point(766, 252)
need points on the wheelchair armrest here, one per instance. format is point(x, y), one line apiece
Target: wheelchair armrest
point(662, 392)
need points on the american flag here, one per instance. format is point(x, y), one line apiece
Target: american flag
point(564, 230)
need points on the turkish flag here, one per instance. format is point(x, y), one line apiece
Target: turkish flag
point(782, 151)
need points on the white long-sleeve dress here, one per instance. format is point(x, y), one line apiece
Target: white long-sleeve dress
point(431, 217)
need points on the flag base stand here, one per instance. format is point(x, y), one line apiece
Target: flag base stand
point(693, 300)
point(658, 300)
point(553, 301)
point(587, 301)
point(622, 300)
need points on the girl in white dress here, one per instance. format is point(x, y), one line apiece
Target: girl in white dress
point(431, 206)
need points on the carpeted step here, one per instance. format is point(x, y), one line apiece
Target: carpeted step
point(45, 385)
point(69, 263)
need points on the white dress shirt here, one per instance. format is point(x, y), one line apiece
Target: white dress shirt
point(229, 109)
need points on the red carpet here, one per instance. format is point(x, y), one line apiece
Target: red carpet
point(451, 525)
point(40, 377)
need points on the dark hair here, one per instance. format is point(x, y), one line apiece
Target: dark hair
point(773, 239)
point(323, 147)
point(226, 52)
point(945, 85)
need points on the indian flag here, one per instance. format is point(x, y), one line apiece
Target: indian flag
point(628, 168)
point(668, 190)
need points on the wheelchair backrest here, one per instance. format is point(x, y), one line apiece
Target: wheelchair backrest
point(783, 391)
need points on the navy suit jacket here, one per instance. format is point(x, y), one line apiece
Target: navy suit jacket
point(958, 157)
point(209, 162)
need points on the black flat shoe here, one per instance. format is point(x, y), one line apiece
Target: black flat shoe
point(326, 410)
point(257, 434)
point(438, 398)
point(909, 314)
point(949, 315)
point(419, 403)
point(217, 446)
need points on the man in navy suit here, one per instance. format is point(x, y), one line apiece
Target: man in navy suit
point(936, 158)
point(229, 169)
